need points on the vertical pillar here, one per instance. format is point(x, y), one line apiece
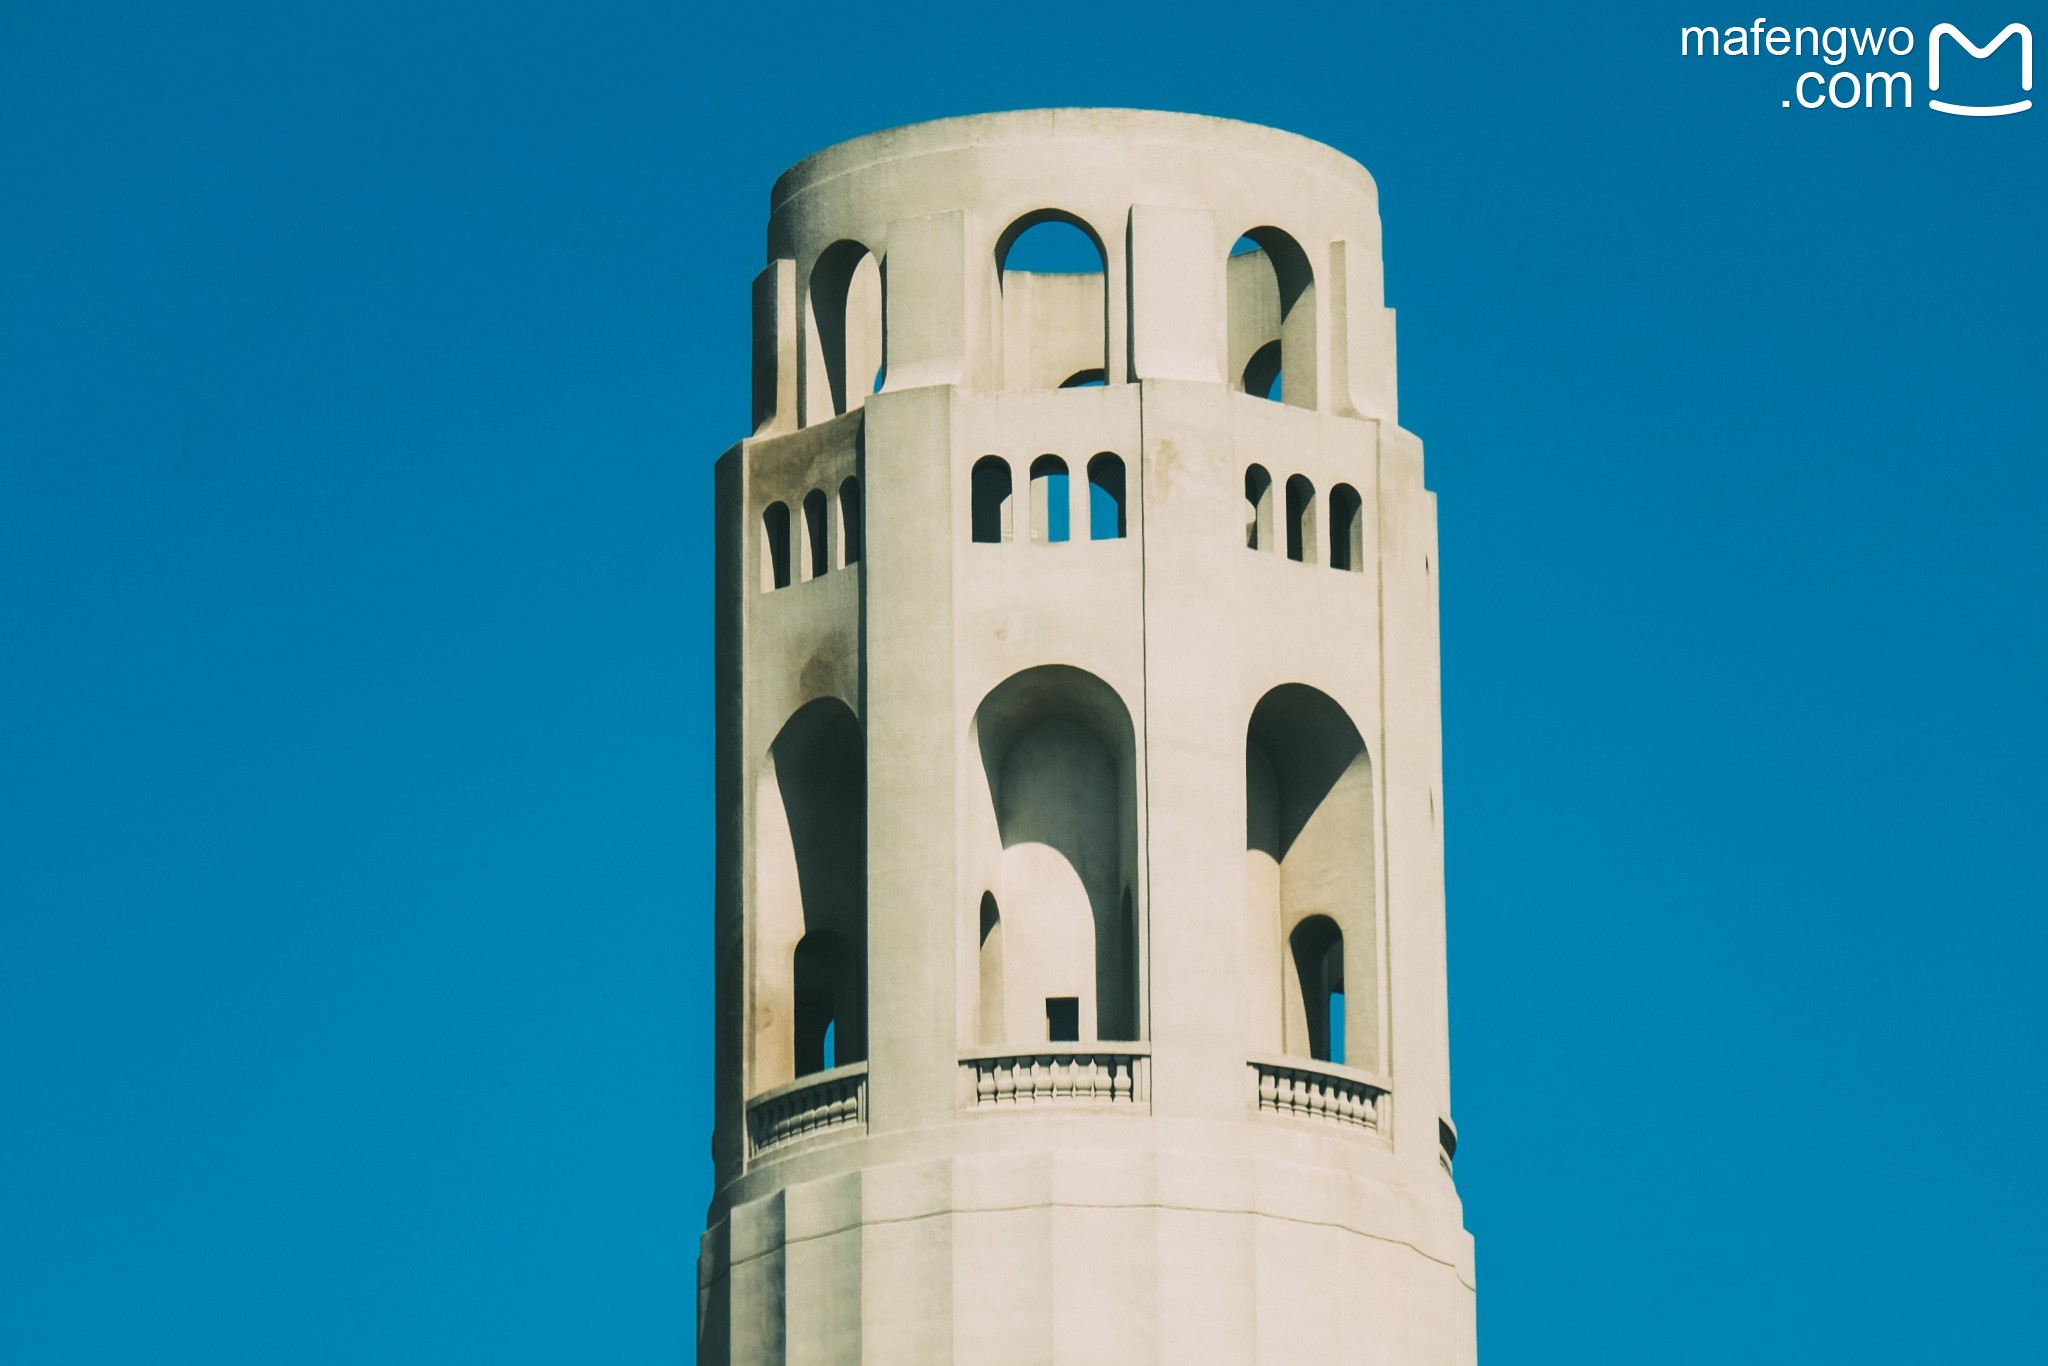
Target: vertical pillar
point(913, 736)
point(775, 349)
point(1176, 294)
point(1194, 753)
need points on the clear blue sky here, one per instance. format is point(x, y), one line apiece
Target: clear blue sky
point(361, 371)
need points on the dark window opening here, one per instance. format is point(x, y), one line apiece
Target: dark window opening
point(775, 546)
point(1301, 520)
point(850, 529)
point(1347, 529)
point(815, 539)
point(990, 513)
point(1105, 498)
point(1063, 1019)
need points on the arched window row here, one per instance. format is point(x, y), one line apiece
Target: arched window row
point(1050, 514)
point(1298, 532)
point(1056, 314)
point(824, 533)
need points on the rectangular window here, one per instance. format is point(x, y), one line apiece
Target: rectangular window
point(1063, 1019)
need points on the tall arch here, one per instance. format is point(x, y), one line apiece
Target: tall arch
point(1271, 288)
point(846, 343)
point(1052, 299)
point(1309, 863)
point(1056, 838)
point(810, 893)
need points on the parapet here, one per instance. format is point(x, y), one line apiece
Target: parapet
point(888, 265)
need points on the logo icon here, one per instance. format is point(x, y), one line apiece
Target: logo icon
point(1980, 110)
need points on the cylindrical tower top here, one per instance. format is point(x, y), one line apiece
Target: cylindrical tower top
point(1162, 197)
point(1092, 163)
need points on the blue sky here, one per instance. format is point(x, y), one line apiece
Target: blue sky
point(361, 370)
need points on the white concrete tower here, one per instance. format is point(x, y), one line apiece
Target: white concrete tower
point(1080, 911)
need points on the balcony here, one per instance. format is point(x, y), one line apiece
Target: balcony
point(823, 1103)
point(1322, 1091)
point(1115, 1075)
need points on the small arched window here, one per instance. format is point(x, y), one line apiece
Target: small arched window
point(1317, 947)
point(816, 549)
point(1050, 513)
point(775, 546)
point(1106, 498)
point(1347, 529)
point(851, 528)
point(990, 511)
point(1301, 520)
point(1258, 508)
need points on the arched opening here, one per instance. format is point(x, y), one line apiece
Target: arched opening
point(1053, 326)
point(845, 346)
point(1301, 520)
point(816, 540)
point(989, 1012)
point(1309, 881)
point(1055, 836)
point(851, 528)
point(1106, 498)
point(1258, 508)
point(990, 513)
point(1086, 379)
point(775, 546)
point(824, 978)
point(1317, 950)
point(1272, 317)
point(810, 888)
point(1051, 515)
point(1347, 529)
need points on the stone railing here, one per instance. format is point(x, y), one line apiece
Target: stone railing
point(820, 1103)
point(1319, 1090)
point(1058, 1074)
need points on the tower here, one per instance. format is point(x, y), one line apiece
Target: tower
point(1080, 924)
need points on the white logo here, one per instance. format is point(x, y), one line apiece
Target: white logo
point(1980, 110)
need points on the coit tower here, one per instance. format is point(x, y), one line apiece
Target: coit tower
point(1079, 913)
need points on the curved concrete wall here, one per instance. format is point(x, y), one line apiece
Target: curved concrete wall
point(1150, 758)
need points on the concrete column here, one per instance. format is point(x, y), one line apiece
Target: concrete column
point(1413, 763)
point(925, 301)
point(1177, 296)
point(913, 739)
point(1194, 753)
point(775, 349)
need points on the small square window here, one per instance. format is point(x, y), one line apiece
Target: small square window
point(1063, 1019)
